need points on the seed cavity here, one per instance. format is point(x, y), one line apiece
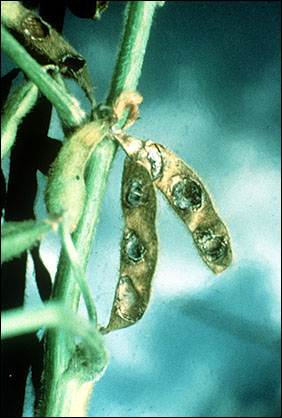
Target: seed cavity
point(34, 28)
point(133, 247)
point(71, 64)
point(134, 195)
point(128, 304)
point(187, 194)
point(213, 247)
point(155, 159)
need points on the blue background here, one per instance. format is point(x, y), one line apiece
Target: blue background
point(208, 345)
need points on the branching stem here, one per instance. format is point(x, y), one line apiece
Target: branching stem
point(61, 350)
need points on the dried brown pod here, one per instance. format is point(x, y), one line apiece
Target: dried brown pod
point(139, 247)
point(46, 45)
point(188, 197)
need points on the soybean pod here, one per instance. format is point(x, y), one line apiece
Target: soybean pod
point(188, 197)
point(139, 247)
point(191, 201)
point(65, 191)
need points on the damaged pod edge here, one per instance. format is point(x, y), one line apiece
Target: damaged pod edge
point(189, 198)
point(139, 247)
point(46, 45)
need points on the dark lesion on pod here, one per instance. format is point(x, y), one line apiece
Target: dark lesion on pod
point(186, 194)
point(129, 304)
point(154, 157)
point(71, 64)
point(136, 185)
point(213, 247)
point(35, 28)
point(134, 193)
point(132, 247)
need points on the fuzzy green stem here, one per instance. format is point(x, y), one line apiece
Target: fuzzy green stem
point(138, 19)
point(18, 106)
point(127, 71)
point(17, 237)
point(52, 315)
point(67, 107)
point(78, 272)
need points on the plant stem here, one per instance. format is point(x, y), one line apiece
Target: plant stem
point(17, 237)
point(78, 273)
point(138, 19)
point(17, 107)
point(127, 71)
point(52, 315)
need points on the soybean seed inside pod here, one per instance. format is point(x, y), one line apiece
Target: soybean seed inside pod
point(139, 247)
point(189, 198)
point(65, 191)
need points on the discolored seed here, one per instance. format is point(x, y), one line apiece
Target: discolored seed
point(187, 194)
point(128, 303)
point(213, 247)
point(133, 247)
point(155, 159)
point(135, 193)
point(35, 28)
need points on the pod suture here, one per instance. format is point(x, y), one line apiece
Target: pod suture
point(139, 247)
point(187, 195)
